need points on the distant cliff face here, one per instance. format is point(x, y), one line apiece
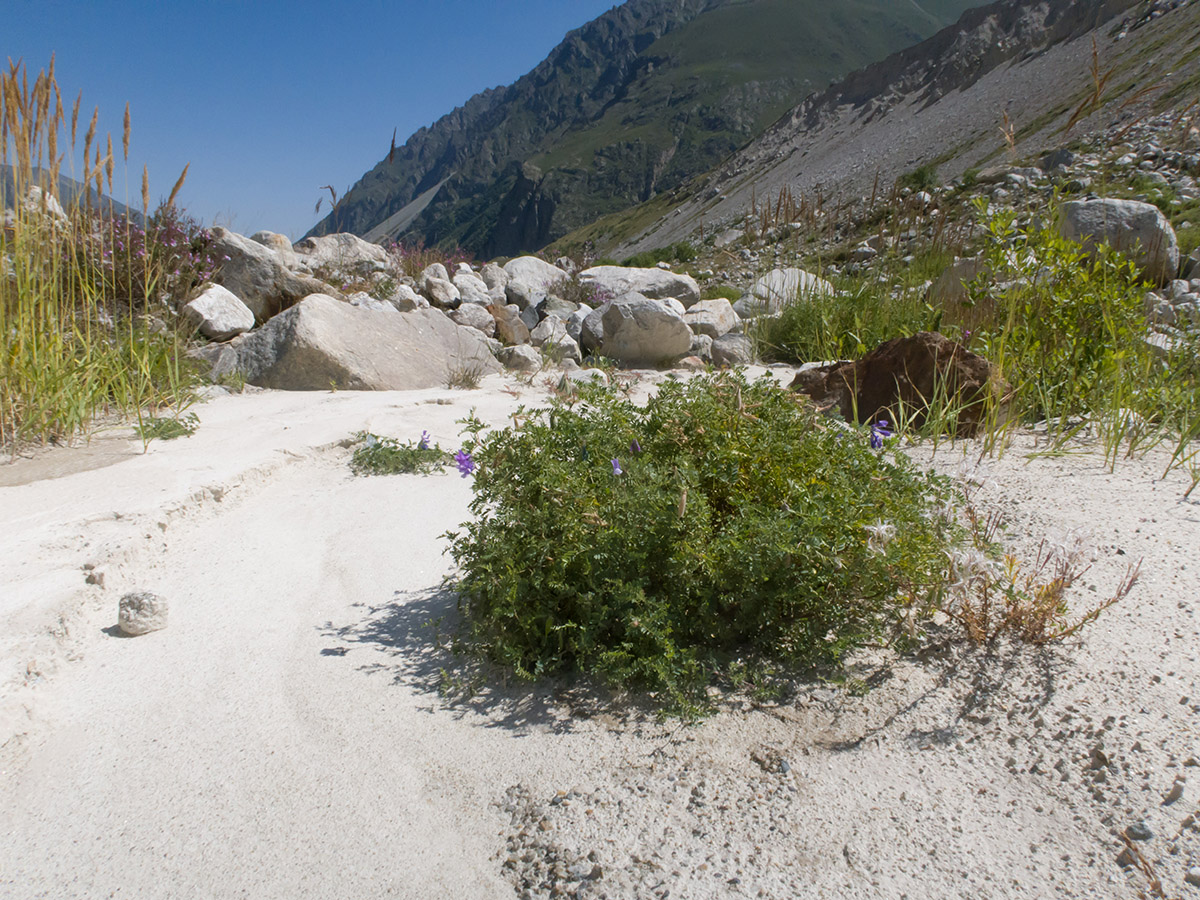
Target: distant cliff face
point(632, 104)
point(940, 102)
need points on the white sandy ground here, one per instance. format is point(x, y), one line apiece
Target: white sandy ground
point(296, 732)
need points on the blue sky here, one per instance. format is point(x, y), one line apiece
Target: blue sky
point(269, 100)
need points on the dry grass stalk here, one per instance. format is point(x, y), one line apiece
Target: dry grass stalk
point(178, 184)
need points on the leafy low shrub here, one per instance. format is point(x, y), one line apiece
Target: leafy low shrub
point(377, 455)
point(920, 179)
point(661, 546)
point(167, 428)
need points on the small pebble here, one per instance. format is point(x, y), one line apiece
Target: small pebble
point(1139, 831)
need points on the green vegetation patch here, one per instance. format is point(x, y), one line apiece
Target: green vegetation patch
point(725, 523)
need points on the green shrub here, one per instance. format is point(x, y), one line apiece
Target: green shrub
point(921, 179)
point(1068, 327)
point(660, 547)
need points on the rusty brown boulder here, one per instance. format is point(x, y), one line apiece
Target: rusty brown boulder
point(907, 372)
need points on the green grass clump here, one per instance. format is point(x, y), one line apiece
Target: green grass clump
point(682, 252)
point(167, 428)
point(662, 546)
point(377, 455)
point(920, 179)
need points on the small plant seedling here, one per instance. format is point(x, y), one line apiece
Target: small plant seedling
point(377, 455)
point(167, 428)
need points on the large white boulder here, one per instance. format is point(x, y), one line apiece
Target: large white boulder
point(643, 331)
point(780, 288)
point(322, 342)
point(529, 278)
point(472, 288)
point(712, 317)
point(1138, 230)
point(657, 284)
point(345, 254)
point(218, 314)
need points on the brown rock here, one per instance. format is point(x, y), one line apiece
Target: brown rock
point(509, 327)
point(906, 372)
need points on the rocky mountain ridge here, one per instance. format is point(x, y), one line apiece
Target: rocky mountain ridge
point(631, 104)
point(1004, 82)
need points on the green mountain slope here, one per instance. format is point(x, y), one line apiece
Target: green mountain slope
point(632, 104)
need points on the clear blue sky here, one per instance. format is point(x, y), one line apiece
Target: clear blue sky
point(269, 100)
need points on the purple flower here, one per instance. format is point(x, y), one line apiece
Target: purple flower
point(634, 447)
point(466, 465)
point(424, 443)
point(879, 431)
point(617, 467)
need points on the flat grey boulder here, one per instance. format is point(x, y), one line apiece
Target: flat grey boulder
point(217, 314)
point(655, 284)
point(712, 317)
point(141, 612)
point(520, 358)
point(322, 342)
point(1138, 230)
point(732, 350)
point(643, 331)
point(255, 275)
point(472, 315)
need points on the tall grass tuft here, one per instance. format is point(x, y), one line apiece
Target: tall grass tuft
point(87, 295)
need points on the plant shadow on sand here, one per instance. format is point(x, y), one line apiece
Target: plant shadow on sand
point(959, 686)
point(965, 687)
point(411, 640)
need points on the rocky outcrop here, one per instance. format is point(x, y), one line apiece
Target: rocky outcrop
point(1138, 230)
point(346, 254)
point(322, 342)
point(255, 275)
point(909, 373)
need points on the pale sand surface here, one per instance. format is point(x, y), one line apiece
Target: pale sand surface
point(285, 735)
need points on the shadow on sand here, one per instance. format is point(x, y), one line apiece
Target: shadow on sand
point(410, 640)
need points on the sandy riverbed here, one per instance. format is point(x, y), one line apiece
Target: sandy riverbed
point(296, 732)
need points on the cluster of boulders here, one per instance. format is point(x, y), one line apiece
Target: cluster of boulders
point(336, 311)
